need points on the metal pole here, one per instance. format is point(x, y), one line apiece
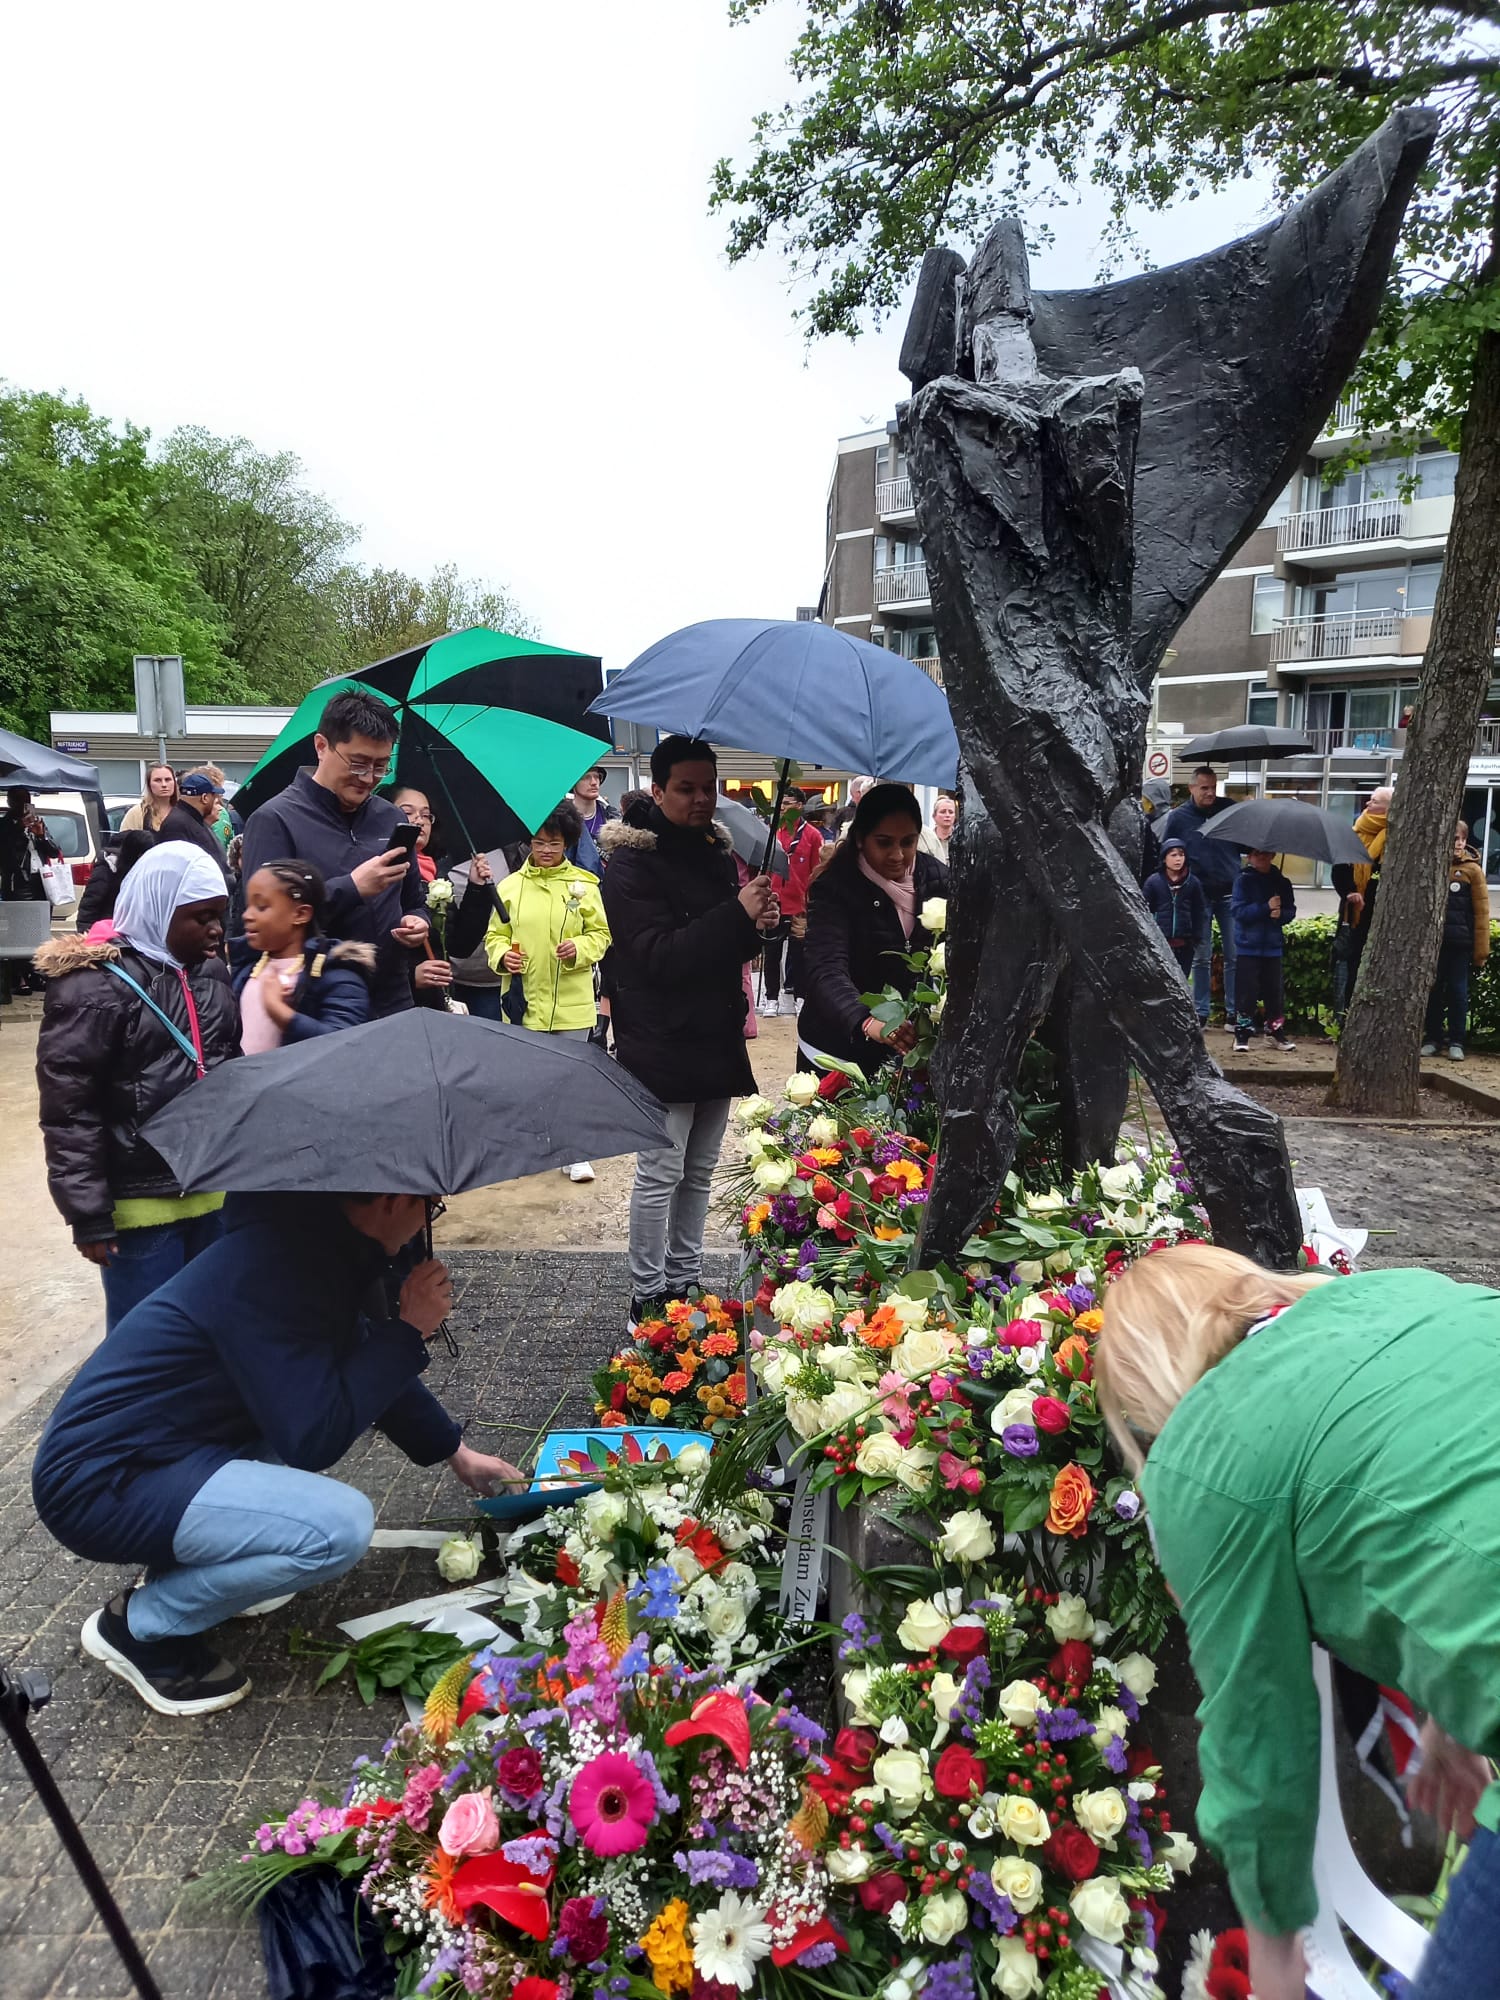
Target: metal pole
point(161, 741)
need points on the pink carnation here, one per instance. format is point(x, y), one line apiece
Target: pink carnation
point(469, 1825)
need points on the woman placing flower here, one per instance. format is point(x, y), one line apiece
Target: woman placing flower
point(553, 936)
point(1300, 1490)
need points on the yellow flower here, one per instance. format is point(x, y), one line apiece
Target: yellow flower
point(660, 1407)
point(886, 1233)
point(758, 1217)
point(665, 1945)
point(907, 1171)
point(1090, 1322)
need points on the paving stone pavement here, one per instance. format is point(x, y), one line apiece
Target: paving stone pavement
point(160, 1798)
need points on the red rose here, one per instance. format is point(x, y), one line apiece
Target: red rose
point(565, 1569)
point(533, 1988)
point(618, 1396)
point(964, 1642)
point(958, 1772)
point(882, 1893)
point(884, 1187)
point(1140, 1760)
point(833, 1083)
point(1072, 1662)
point(710, 1989)
point(1048, 1414)
point(520, 1771)
point(735, 1308)
point(1071, 1852)
point(856, 1748)
point(862, 1137)
point(823, 1188)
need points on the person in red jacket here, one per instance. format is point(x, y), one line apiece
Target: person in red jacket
point(803, 847)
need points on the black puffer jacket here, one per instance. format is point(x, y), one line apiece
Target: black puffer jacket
point(855, 945)
point(105, 1064)
point(681, 941)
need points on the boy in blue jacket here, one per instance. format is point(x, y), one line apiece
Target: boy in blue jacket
point(1176, 899)
point(1263, 904)
point(195, 1439)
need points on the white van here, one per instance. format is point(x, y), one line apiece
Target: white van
point(70, 819)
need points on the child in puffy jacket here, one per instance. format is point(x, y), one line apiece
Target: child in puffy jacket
point(1262, 905)
point(1176, 898)
point(300, 984)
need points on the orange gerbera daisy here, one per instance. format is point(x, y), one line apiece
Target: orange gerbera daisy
point(886, 1232)
point(676, 1382)
point(883, 1329)
point(907, 1171)
point(721, 1345)
point(734, 1389)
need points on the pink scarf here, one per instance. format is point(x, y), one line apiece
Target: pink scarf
point(903, 893)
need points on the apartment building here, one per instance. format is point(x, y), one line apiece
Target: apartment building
point(1319, 623)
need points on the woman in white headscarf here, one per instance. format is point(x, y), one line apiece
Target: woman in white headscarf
point(131, 1019)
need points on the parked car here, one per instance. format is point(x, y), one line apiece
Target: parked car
point(116, 809)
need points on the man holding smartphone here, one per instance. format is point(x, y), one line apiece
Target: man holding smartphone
point(360, 844)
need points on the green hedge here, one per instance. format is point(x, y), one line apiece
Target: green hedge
point(1309, 981)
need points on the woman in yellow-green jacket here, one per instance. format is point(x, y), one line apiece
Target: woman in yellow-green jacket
point(553, 935)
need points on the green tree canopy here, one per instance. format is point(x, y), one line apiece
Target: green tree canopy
point(383, 611)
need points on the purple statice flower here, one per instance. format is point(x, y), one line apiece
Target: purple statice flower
point(890, 1841)
point(996, 1907)
point(820, 1954)
point(1128, 1505)
point(969, 1707)
point(804, 1732)
point(666, 1802)
point(448, 1960)
point(1136, 1833)
point(718, 1870)
point(533, 1851)
point(456, 1776)
point(1062, 1725)
point(856, 1638)
point(1148, 1927)
point(1114, 1756)
point(949, 1979)
point(1020, 1440)
point(1127, 1701)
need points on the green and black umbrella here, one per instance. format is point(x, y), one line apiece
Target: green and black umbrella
point(493, 729)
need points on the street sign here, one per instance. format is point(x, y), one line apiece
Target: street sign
point(160, 699)
point(72, 746)
point(1158, 764)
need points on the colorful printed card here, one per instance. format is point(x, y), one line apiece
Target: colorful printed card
point(570, 1464)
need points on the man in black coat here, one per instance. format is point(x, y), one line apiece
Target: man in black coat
point(197, 803)
point(1216, 865)
point(329, 816)
point(683, 930)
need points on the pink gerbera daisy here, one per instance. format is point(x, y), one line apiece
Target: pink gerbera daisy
point(613, 1804)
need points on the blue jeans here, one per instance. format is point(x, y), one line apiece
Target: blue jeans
point(483, 1002)
point(253, 1530)
point(145, 1258)
point(1463, 1960)
point(1203, 959)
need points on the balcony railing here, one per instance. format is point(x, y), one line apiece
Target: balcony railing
point(1336, 635)
point(1333, 527)
point(931, 665)
point(1346, 414)
point(1368, 742)
point(1487, 740)
point(893, 496)
point(906, 583)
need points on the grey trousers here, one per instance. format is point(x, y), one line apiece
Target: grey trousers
point(669, 1202)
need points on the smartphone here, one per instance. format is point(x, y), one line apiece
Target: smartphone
point(406, 835)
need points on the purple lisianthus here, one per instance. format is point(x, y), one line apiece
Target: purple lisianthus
point(1128, 1505)
point(1020, 1440)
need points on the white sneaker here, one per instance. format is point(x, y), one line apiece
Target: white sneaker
point(769, 1009)
point(789, 1005)
point(1455, 1053)
point(1429, 1048)
point(579, 1171)
point(266, 1606)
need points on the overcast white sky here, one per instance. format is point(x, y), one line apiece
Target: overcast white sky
point(457, 256)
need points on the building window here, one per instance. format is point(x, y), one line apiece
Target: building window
point(1285, 503)
point(1261, 704)
point(1436, 470)
point(1266, 604)
point(1421, 589)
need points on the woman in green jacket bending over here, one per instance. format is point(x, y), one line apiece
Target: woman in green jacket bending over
point(554, 935)
point(1321, 1461)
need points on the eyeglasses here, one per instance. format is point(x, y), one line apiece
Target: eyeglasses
point(361, 767)
point(416, 816)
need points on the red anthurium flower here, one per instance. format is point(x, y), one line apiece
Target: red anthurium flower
point(721, 1715)
point(476, 1698)
point(703, 1543)
point(565, 1569)
point(822, 1932)
point(376, 1809)
point(958, 1772)
point(534, 1988)
point(508, 1889)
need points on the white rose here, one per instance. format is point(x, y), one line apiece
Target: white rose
point(944, 1691)
point(1101, 1814)
point(1019, 1703)
point(1016, 1974)
point(933, 915)
point(856, 1687)
point(802, 1307)
point(911, 1312)
point(967, 1537)
point(936, 1009)
point(775, 1364)
point(1022, 1820)
point(1138, 1674)
point(602, 1514)
point(1070, 1618)
point(1059, 1261)
point(1013, 1408)
point(753, 1110)
point(915, 1470)
point(1100, 1906)
point(758, 1143)
point(822, 1130)
point(845, 1364)
point(1028, 1272)
point(692, 1459)
point(919, 1353)
point(843, 1403)
point(724, 1619)
point(880, 1455)
point(1119, 1183)
point(1109, 1723)
point(771, 1176)
point(1051, 1203)
point(801, 1088)
point(593, 1567)
point(1020, 1880)
point(937, 963)
point(902, 1776)
point(684, 1565)
point(458, 1559)
point(1034, 1306)
point(1178, 1852)
point(943, 1916)
point(848, 1864)
point(924, 1627)
point(805, 1415)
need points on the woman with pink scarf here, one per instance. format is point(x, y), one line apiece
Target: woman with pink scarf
point(864, 913)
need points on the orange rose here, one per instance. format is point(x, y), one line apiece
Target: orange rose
point(1073, 1358)
point(1072, 1497)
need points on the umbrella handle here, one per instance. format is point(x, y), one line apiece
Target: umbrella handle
point(495, 902)
point(784, 779)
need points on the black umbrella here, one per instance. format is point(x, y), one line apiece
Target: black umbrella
point(1288, 826)
point(747, 834)
point(39, 769)
point(424, 1102)
point(1248, 740)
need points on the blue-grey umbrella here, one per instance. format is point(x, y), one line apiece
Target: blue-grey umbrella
point(1288, 826)
point(41, 769)
point(793, 689)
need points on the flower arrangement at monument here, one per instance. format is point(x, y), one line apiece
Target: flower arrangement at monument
point(582, 1824)
point(686, 1369)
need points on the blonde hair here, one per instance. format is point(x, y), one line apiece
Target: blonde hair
point(1167, 1320)
point(151, 817)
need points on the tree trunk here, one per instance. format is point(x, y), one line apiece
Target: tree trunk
point(1378, 1061)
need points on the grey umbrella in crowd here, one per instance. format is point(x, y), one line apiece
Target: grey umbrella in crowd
point(1288, 826)
point(747, 833)
point(1249, 741)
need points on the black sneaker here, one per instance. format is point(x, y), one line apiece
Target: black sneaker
point(174, 1676)
point(643, 1310)
point(1281, 1041)
point(1241, 1046)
